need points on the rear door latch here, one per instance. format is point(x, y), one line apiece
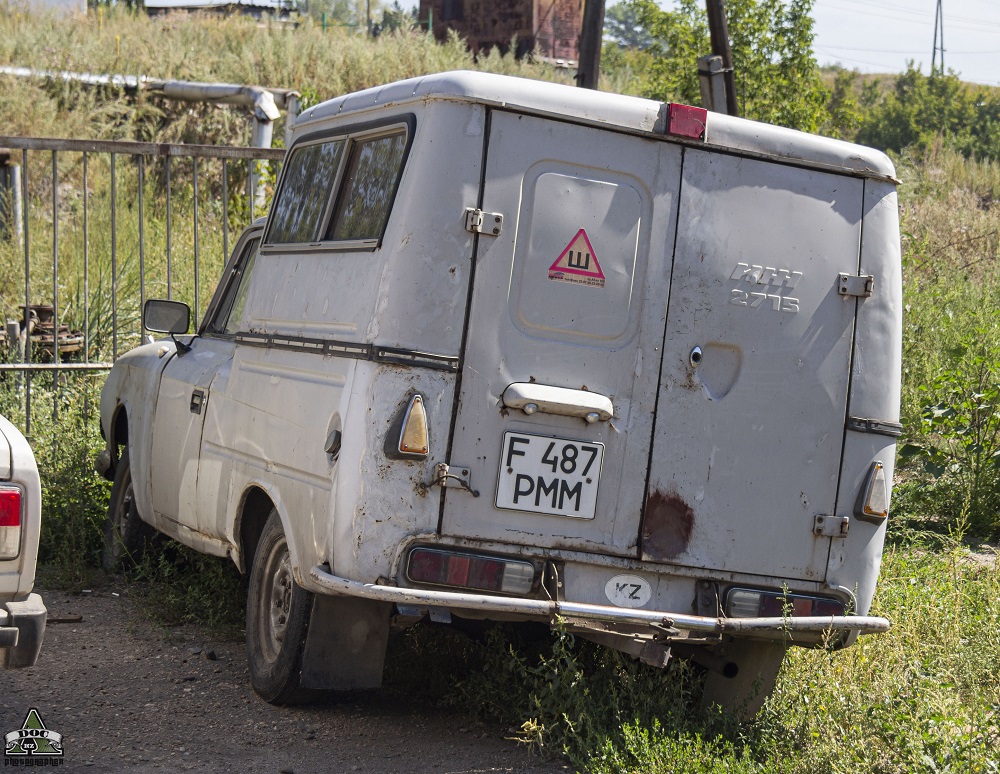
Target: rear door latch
point(479, 222)
point(831, 526)
point(850, 285)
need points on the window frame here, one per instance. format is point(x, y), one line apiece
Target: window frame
point(231, 275)
point(351, 136)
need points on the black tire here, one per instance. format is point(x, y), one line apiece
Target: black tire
point(126, 535)
point(744, 694)
point(277, 620)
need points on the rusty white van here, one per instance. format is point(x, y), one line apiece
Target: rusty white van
point(512, 350)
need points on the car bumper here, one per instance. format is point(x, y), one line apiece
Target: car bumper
point(654, 621)
point(22, 627)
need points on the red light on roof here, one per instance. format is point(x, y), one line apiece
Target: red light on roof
point(687, 121)
point(10, 507)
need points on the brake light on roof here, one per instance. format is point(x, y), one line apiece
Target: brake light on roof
point(10, 522)
point(755, 603)
point(687, 121)
point(441, 567)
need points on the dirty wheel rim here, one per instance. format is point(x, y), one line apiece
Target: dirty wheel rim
point(122, 518)
point(275, 601)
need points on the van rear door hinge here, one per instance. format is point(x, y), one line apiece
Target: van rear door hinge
point(831, 526)
point(862, 287)
point(479, 222)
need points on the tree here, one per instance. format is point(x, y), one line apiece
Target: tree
point(623, 26)
point(777, 79)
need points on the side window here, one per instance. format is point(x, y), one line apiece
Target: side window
point(368, 187)
point(227, 317)
point(340, 190)
point(299, 212)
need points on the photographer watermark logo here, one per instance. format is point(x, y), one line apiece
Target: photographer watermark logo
point(33, 744)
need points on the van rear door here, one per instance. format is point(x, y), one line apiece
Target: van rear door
point(753, 393)
point(567, 319)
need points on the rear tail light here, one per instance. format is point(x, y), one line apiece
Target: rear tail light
point(754, 603)
point(470, 571)
point(10, 522)
point(873, 501)
point(407, 437)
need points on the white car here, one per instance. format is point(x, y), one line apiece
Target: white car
point(513, 350)
point(22, 613)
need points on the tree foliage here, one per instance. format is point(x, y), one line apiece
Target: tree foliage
point(624, 27)
point(777, 79)
point(923, 109)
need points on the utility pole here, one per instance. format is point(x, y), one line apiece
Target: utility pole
point(588, 71)
point(938, 38)
point(720, 47)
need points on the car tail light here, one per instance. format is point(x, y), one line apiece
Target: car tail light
point(407, 438)
point(10, 522)
point(687, 121)
point(754, 603)
point(873, 500)
point(471, 571)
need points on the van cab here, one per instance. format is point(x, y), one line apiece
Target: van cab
point(512, 350)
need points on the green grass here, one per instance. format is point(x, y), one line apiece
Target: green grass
point(924, 697)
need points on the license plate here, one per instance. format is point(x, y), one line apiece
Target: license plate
point(540, 474)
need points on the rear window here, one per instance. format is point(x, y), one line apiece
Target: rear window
point(339, 191)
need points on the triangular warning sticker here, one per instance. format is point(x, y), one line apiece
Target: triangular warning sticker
point(578, 263)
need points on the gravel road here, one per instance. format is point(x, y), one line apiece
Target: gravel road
point(127, 695)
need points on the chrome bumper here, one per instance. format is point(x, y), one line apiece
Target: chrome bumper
point(549, 609)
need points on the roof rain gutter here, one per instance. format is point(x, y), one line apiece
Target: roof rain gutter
point(265, 102)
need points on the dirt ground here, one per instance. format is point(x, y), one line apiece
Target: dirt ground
point(129, 696)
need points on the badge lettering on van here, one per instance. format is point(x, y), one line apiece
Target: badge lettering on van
point(770, 287)
point(578, 263)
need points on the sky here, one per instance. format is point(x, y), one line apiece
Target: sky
point(877, 36)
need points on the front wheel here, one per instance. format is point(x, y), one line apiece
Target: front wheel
point(277, 620)
point(126, 535)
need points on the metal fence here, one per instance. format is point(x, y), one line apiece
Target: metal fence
point(89, 229)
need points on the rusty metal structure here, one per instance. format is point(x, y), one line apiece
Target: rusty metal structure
point(549, 28)
point(83, 207)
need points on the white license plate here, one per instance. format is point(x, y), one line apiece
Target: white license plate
point(539, 474)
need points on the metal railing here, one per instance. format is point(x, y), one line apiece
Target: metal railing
point(104, 225)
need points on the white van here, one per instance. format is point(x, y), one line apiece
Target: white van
point(507, 349)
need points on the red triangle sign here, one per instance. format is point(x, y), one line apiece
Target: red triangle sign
point(578, 263)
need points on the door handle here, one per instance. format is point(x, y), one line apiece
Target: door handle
point(531, 397)
point(197, 401)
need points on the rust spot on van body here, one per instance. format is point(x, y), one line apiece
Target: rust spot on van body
point(666, 526)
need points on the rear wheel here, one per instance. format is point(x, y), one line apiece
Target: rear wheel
point(126, 535)
point(758, 663)
point(277, 620)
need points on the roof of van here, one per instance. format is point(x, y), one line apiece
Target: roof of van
point(613, 111)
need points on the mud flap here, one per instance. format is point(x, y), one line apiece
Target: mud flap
point(744, 694)
point(345, 644)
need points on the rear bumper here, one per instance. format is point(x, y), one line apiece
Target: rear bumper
point(22, 627)
point(656, 621)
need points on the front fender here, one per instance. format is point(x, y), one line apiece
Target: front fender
point(130, 391)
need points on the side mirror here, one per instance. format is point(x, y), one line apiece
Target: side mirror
point(161, 316)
